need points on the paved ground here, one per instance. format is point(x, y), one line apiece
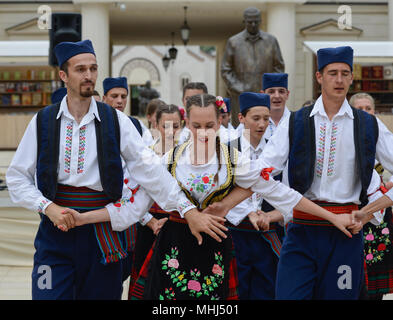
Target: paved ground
point(15, 284)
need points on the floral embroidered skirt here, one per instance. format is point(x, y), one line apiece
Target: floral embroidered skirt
point(177, 268)
point(378, 253)
point(144, 241)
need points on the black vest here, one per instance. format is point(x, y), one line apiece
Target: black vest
point(108, 150)
point(302, 153)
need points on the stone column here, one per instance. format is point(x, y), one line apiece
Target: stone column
point(95, 26)
point(390, 18)
point(221, 89)
point(281, 17)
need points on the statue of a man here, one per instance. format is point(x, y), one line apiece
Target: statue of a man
point(146, 94)
point(248, 55)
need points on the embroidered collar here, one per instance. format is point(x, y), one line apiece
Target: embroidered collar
point(345, 109)
point(93, 111)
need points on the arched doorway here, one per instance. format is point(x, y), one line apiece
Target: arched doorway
point(138, 71)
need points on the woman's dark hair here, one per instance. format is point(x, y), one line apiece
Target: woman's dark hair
point(152, 107)
point(165, 108)
point(204, 101)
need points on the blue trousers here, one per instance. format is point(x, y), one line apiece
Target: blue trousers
point(319, 262)
point(67, 266)
point(256, 266)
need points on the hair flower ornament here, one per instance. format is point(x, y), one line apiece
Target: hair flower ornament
point(221, 104)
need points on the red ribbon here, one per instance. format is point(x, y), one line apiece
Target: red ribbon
point(265, 173)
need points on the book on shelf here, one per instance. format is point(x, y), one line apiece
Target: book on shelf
point(36, 99)
point(15, 99)
point(26, 99)
point(6, 100)
point(366, 72)
point(17, 75)
point(377, 72)
point(357, 71)
point(46, 87)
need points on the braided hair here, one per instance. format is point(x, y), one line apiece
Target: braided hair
point(204, 101)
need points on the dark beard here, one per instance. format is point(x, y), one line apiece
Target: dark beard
point(87, 93)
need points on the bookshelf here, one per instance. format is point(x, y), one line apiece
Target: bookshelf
point(24, 90)
point(27, 87)
point(376, 80)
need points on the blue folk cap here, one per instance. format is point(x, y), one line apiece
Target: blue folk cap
point(110, 83)
point(66, 50)
point(227, 102)
point(270, 80)
point(58, 95)
point(332, 55)
point(248, 100)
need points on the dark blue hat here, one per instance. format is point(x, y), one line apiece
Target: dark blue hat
point(110, 83)
point(58, 95)
point(252, 99)
point(227, 102)
point(66, 50)
point(270, 80)
point(332, 55)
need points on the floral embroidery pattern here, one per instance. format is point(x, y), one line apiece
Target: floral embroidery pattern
point(184, 205)
point(376, 243)
point(191, 282)
point(123, 201)
point(42, 205)
point(82, 147)
point(321, 149)
point(68, 145)
point(332, 152)
point(200, 183)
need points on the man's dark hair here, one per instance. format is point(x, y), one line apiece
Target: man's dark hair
point(194, 86)
point(64, 67)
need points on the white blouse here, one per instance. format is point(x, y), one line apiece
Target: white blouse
point(78, 164)
point(199, 179)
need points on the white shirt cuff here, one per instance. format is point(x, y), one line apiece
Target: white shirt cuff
point(145, 219)
point(378, 216)
point(43, 203)
point(185, 207)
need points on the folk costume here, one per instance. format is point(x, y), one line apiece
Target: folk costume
point(378, 249)
point(78, 165)
point(256, 252)
point(174, 268)
point(331, 163)
point(145, 236)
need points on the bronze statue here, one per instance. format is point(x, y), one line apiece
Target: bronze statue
point(248, 55)
point(146, 94)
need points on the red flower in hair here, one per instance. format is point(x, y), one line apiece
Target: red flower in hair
point(221, 104)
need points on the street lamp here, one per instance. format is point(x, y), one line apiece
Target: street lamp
point(185, 29)
point(165, 61)
point(173, 51)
